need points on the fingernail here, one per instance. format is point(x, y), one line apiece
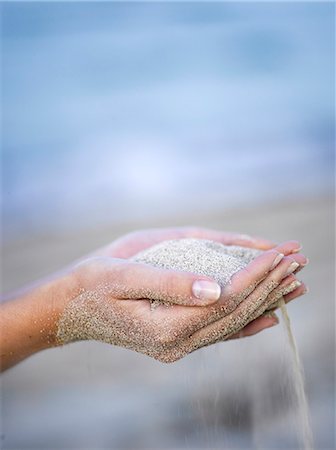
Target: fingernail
point(291, 287)
point(277, 259)
point(307, 262)
point(297, 250)
point(291, 268)
point(206, 290)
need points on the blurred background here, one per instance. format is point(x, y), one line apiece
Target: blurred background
point(119, 116)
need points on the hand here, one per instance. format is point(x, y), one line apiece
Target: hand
point(115, 299)
point(132, 243)
point(29, 321)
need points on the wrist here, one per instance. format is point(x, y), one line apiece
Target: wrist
point(29, 320)
point(47, 303)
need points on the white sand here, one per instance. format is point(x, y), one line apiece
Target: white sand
point(199, 256)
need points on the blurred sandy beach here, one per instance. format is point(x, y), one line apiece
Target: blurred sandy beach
point(233, 395)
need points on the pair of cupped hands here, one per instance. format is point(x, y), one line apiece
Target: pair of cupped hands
point(201, 313)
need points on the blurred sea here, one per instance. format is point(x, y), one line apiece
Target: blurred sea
point(119, 111)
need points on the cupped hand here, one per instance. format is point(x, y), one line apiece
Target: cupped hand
point(115, 295)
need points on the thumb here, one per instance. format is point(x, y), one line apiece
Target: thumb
point(139, 281)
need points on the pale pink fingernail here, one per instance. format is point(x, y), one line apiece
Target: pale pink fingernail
point(291, 268)
point(297, 250)
point(206, 290)
point(291, 287)
point(277, 259)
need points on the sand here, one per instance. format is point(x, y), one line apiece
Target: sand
point(199, 256)
point(298, 386)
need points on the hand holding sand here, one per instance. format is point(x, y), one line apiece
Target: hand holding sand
point(111, 300)
point(115, 306)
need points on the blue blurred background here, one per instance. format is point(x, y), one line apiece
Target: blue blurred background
point(115, 111)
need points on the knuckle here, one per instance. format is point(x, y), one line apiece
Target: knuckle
point(167, 285)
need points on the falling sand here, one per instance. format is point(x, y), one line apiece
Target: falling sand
point(93, 316)
point(306, 434)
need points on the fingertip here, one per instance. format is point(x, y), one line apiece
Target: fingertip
point(297, 249)
point(271, 323)
point(298, 292)
point(266, 321)
point(289, 247)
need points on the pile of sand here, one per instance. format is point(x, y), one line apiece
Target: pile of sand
point(199, 256)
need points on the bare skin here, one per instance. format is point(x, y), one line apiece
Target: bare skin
point(29, 321)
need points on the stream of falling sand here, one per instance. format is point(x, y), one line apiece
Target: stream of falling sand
point(305, 430)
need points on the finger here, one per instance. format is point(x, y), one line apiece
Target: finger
point(301, 259)
point(257, 325)
point(142, 281)
point(294, 290)
point(230, 238)
point(244, 240)
point(248, 277)
point(298, 292)
point(267, 293)
point(289, 247)
point(288, 290)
